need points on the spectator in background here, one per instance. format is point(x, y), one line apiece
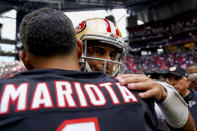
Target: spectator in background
point(193, 78)
point(178, 78)
point(192, 70)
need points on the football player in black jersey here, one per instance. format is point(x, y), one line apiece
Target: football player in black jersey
point(104, 50)
point(54, 95)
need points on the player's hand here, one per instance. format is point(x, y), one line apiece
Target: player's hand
point(151, 88)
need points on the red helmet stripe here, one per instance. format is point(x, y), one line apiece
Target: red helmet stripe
point(108, 25)
point(117, 31)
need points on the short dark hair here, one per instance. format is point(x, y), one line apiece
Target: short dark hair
point(45, 32)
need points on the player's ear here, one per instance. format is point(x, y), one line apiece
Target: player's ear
point(22, 55)
point(79, 48)
point(25, 59)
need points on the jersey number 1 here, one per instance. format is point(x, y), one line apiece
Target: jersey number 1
point(82, 124)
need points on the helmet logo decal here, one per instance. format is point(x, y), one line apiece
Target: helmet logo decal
point(172, 68)
point(80, 27)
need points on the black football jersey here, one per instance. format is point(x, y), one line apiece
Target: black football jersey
point(191, 100)
point(59, 100)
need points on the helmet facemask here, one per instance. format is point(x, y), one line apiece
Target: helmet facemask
point(91, 61)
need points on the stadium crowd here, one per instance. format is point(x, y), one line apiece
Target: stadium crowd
point(9, 69)
point(159, 62)
point(135, 64)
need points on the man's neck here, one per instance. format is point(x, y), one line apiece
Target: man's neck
point(186, 93)
point(56, 62)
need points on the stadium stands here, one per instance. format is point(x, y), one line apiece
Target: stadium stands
point(159, 62)
point(9, 69)
point(175, 30)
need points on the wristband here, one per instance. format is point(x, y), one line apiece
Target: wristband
point(174, 107)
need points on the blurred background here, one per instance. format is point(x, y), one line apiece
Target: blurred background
point(160, 33)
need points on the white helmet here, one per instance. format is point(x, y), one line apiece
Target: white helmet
point(104, 31)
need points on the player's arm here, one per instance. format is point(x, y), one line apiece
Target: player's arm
point(171, 103)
